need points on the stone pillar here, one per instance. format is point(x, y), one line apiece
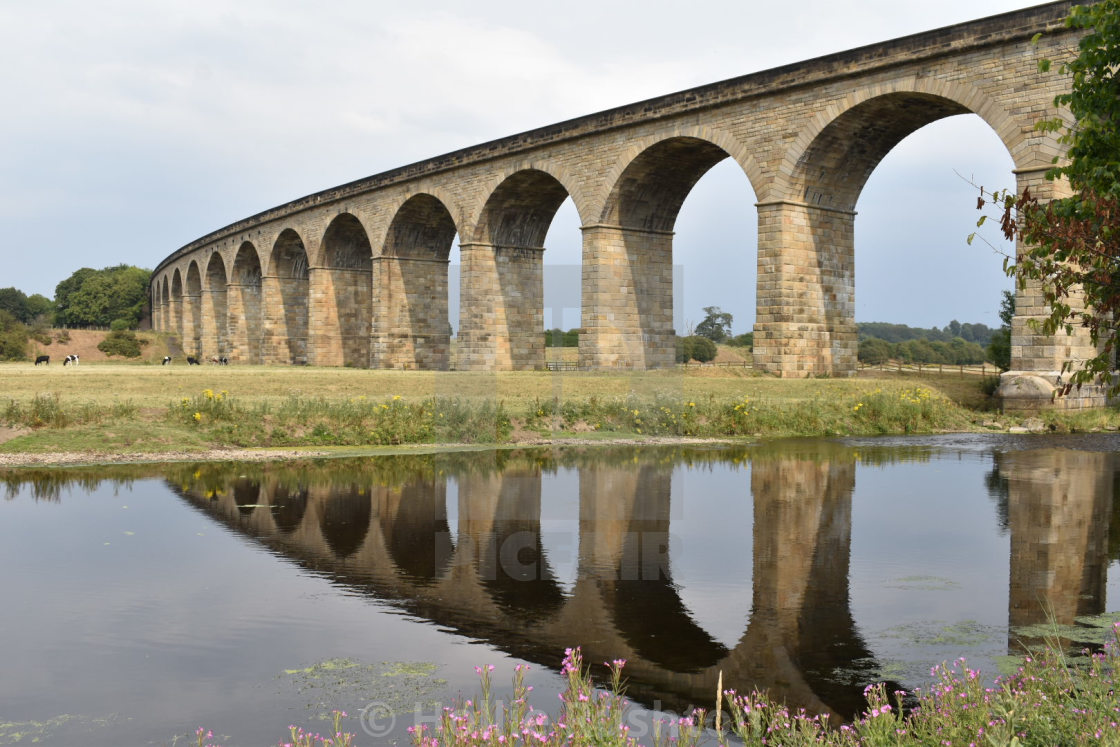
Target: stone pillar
point(410, 325)
point(805, 324)
point(322, 347)
point(244, 307)
point(274, 332)
point(175, 311)
point(192, 323)
point(214, 321)
point(627, 298)
point(1037, 359)
point(501, 317)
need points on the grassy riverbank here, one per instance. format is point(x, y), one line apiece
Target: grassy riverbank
point(145, 409)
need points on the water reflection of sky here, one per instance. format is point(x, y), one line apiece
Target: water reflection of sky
point(163, 613)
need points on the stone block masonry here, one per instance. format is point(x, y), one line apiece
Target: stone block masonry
point(807, 136)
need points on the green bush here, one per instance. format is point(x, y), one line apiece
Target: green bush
point(123, 343)
point(118, 325)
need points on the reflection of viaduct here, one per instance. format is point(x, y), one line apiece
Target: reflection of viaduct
point(491, 579)
point(357, 275)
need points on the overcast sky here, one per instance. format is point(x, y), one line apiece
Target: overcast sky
point(132, 127)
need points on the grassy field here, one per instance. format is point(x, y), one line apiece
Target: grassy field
point(129, 408)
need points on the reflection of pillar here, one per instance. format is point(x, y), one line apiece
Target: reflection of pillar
point(627, 298)
point(501, 322)
point(806, 290)
point(413, 519)
point(801, 605)
point(410, 328)
point(500, 536)
point(1059, 504)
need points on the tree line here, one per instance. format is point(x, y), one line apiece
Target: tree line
point(111, 297)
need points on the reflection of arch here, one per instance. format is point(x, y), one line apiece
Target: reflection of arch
point(244, 305)
point(288, 506)
point(513, 567)
point(643, 602)
point(246, 495)
point(286, 291)
point(215, 309)
point(192, 310)
point(347, 255)
point(344, 520)
point(416, 532)
point(502, 316)
point(411, 327)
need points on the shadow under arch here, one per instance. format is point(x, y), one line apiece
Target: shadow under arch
point(346, 277)
point(288, 505)
point(286, 292)
point(411, 327)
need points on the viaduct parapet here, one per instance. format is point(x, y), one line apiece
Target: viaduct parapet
point(357, 275)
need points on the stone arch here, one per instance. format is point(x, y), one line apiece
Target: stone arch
point(757, 177)
point(215, 309)
point(649, 192)
point(175, 305)
point(627, 298)
point(286, 291)
point(410, 324)
point(244, 305)
point(192, 310)
point(875, 119)
point(163, 294)
point(502, 292)
point(343, 326)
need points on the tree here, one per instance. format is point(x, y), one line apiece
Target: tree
point(98, 297)
point(1073, 244)
point(716, 325)
point(695, 348)
point(14, 301)
point(999, 349)
point(874, 351)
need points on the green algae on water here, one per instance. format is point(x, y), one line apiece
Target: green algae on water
point(348, 685)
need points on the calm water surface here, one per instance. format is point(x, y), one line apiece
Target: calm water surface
point(142, 602)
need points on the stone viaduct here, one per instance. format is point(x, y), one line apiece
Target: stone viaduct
point(487, 575)
point(357, 275)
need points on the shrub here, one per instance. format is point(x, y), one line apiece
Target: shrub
point(118, 325)
point(123, 343)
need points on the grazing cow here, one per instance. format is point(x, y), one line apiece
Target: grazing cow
point(214, 360)
point(192, 361)
point(166, 360)
point(71, 360)
point(223, 361)
point(43, 359)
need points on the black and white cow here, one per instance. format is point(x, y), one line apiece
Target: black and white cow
point(166, 360)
